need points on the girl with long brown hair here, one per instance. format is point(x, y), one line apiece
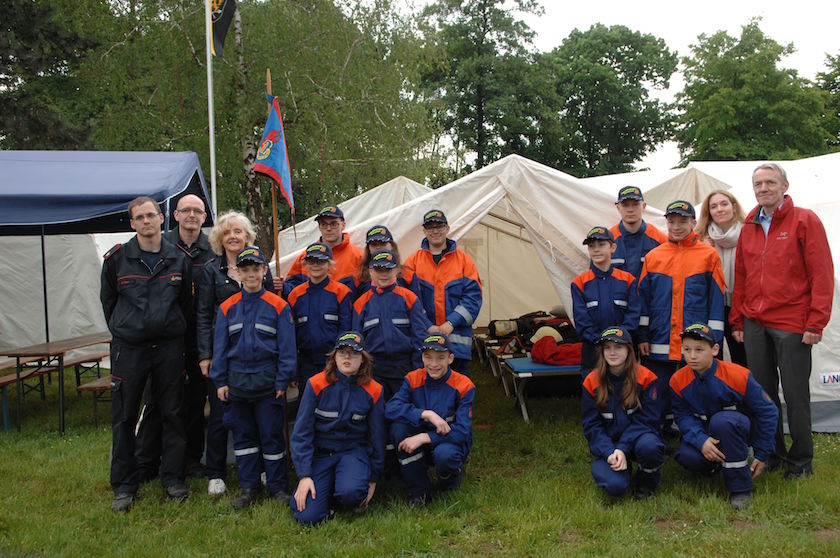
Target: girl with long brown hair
point(620, 409)
point(338, 444)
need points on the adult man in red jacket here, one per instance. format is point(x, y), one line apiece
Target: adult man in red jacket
point(784, 280)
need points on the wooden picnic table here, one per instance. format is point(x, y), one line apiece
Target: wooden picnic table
point(51, 354)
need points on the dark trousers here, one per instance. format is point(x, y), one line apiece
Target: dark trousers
point(131, 367)
point(258, 442)
point(461, 365)
point(649, 451)
point(216, 449)
point(737, 352)
point(447, 458)
point(150, 433)
point(664, 369)
point(340, 478)
point(733, 430)
point(589, 355)
point(773, 355)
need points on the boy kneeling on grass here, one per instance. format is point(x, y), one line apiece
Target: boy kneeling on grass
point(721, 410)
point(254, 359)
point(431, 418)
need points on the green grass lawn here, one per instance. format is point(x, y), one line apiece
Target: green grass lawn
point(528, 492)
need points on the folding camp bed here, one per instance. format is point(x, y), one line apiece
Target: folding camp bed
point(522, 369)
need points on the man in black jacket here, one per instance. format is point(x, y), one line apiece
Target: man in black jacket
point(146, 294)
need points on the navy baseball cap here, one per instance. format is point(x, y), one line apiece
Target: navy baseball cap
point(318, 251)
point(351, 339)
point(330, 212)
point(436, 342)
point(630, 193)
point(598, 233)
point(680, 207)
point(616, 335)
point(383, 258)
point(699, 331)
point(250, 255)
point(434, 216)
point(378, 233)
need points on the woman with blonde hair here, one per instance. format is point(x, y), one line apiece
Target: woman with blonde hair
point(721, 219)
point(220, 280)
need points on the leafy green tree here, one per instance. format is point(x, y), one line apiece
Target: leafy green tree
point(829, 82)
point(607, 118)
point(739, 104)
point(473, 78)
point(38, 56)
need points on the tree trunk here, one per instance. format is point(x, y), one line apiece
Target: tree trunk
point(251, 187)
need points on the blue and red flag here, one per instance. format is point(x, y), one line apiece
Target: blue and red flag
point(272, 157)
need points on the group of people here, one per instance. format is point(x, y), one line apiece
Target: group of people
point(378, 348)
point(763, 282)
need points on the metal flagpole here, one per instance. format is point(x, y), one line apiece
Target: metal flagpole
point(208, 28)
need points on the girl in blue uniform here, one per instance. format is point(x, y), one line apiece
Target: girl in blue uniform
point(254, 359)
point(338, 444)
point(380, 238)
point(620, 407)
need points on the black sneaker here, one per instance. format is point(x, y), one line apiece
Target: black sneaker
point(177, 492)
point(284, 497)
point(797, 475)
point(416, 503)
point(246, 498)
point(643, 492)
point(740, 500)
point(122, 501)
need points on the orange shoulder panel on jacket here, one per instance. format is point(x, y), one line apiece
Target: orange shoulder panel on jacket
point(655, 234)
point(374, 389)
point(591, 383)
point(583, 278)
point(233, 299)
point(460, 382)
point(340, 290)
point(409, 297)
point(733, 375)
point(644, 376)
point(681, 379)
point(319, 382)
point(271, 298)
point(616, 232)
point(416, 378)
point(298, 292)
point(622, 275)
point(361, 301)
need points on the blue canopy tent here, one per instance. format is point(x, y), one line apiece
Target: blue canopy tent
point(78, 192)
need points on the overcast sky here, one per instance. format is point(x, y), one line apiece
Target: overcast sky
point(811, 26)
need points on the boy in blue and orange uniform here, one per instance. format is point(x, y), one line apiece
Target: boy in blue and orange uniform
point(634, 237)
point(392, 321)
point(338, 444)
point(721, 411)
point(321, 308)
point(432, 421)
point(603, 296)
point(681, 283)
point(449, 287)
point(254, 359)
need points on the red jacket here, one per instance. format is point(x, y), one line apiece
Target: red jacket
point(786, 280)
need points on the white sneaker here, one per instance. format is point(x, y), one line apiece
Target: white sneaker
point(216, 487)
point(262, 479)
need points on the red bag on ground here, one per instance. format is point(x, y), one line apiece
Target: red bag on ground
point(547, 351)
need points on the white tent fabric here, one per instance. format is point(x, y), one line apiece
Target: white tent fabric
point(372, 202)
point(522, 222)
point(72, 266)
point(812, 185)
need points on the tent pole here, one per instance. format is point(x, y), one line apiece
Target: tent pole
point(44, 278)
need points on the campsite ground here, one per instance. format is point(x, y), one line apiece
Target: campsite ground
point(528, 492)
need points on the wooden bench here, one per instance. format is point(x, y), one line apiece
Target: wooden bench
point(101, 390)
point(88, 363)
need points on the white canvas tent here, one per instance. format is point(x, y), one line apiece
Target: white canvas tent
point(372, 202)
point(812, 185)
point(522, 222)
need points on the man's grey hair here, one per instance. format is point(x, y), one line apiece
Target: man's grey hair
point(774, 167)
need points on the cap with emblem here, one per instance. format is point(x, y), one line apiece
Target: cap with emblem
point(598, 233)
point(383, 258)
point(680, 207)
point(435, 342)
point(330, 212)
point(351, 339)
point(378, 234)
point(616, 335)
point(434, 216)
point(630, 193)
point(318, 251)
point(699, 331)
point(250, 255)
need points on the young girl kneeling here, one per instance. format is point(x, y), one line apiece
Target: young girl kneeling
point(620, 408)
point(338, 444)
